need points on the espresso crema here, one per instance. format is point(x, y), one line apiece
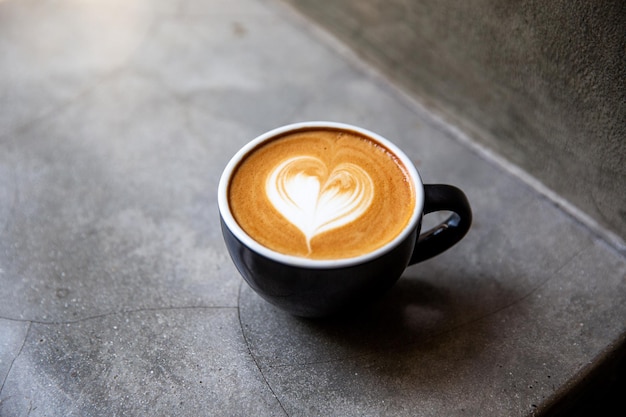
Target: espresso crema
point(321, 193)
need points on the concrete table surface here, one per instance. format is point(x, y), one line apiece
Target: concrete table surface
point(118, 296)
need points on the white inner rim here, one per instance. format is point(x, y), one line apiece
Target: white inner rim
point(229, 220)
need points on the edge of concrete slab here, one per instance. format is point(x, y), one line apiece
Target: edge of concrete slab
point(597, 390)
point(444, 121)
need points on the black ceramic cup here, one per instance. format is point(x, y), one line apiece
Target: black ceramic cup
point(318, 288)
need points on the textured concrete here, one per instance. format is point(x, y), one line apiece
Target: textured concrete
point(118, 296)
point(542, 83)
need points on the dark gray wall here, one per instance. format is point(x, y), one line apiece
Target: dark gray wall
point(543, 83)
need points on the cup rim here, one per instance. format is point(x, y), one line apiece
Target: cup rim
point(297, 261)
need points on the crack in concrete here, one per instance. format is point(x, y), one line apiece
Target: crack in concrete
point(14, 359)
point(113, 313)
point(254, 359)
point(97, 316)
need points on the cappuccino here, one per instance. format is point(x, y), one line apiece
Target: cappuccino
point(321, 193)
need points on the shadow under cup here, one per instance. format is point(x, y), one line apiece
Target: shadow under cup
point(318, 288)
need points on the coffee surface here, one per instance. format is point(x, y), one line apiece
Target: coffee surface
point(321, 194)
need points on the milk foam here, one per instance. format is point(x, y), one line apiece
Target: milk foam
point(317, 199)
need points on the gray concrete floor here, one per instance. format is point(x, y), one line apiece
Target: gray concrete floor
point(118, 296)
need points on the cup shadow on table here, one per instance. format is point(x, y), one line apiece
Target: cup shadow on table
point(430, 325)
point(416, 315)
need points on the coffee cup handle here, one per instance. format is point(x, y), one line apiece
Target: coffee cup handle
point(440, 197)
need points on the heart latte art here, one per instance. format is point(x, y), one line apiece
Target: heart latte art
point(321, 193)
point(315, 199)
